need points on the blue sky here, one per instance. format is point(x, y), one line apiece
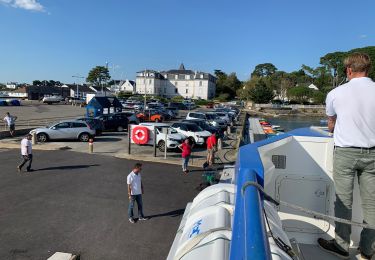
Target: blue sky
point(55, 39)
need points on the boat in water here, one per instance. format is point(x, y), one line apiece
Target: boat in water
point(234, 219)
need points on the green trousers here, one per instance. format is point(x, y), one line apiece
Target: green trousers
point(348, 163)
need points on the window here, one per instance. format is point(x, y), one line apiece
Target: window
point(175, 83)
point(187, 91)
point(175, 90)
point(150, 81)
point(187, 77)
point(62, 125)
point(201, 76)
point(77, 125)
point(200, 83)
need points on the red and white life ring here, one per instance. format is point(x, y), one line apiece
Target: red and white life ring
point(140, 135)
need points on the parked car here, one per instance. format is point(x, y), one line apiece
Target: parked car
point(132, 117)
point(114, 122)
point(174, 111)
point(76, 100)
point(189, 104)
point(177, 105)
point(150, 115)
point(210, 118)
point(69, 129)
point(225, 116)
point(94, 123)
point(210, 105)
point(174, 139)
point(192, 131)
point(205, 126)
point(154, 105)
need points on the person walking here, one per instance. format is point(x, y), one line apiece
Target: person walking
point(350, 109)
point(26, 152)
point(186, 152)
point(135, 191)
point(10, 121)
point(211, 148)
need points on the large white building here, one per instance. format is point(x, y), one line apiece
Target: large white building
point(181, 82)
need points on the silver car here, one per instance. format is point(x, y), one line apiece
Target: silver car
point(70, 129)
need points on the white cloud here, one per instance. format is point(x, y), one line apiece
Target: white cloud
point(363, 36)
point(31, 5)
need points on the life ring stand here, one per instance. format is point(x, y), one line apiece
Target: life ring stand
point(140, 135)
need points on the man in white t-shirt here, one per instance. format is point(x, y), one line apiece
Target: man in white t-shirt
point(135, 191)
point(350, 109)
point(10, 121)
point(26, 152)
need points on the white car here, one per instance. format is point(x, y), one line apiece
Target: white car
point(192, 131)
point(70, 129)
point(174, 139)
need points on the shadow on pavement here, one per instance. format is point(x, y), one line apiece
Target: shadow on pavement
point(107, 139)
point(174, 213)
point(67, 167)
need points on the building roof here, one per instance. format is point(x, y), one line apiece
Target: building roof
point(105, 102)
point(81, 88)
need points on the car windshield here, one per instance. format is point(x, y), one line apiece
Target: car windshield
point(172, 131)
point(210, 116)
point(194, 128)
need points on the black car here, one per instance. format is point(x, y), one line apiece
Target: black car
point(205, 126)
point(114, 122)
point(94, 123)
point(178, 105)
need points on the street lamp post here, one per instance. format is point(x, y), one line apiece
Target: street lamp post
point(144, 106)
point(78, 77)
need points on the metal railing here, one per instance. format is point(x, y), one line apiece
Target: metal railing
point(289, 106)
point(249, 237)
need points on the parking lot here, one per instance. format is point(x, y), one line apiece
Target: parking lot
point(110, 143)
point(77, 203)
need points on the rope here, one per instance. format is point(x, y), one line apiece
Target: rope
point(315, 214)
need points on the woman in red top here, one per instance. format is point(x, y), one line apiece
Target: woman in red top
point(186, 151)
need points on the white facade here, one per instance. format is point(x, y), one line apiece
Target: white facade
point(11, 85)
point(127, 86)
point(185, 83)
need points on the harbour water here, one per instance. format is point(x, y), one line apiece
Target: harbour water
point(290, 123)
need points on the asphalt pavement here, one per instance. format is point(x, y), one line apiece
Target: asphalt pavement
point(77, 203)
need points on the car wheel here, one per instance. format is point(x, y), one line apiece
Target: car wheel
point(42, 137)
point(161, 146)
point(84, 137)
point(120, 129)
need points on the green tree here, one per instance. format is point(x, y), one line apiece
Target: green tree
point(177, 99)
point(319, 97)
point(98, 75)
point(227, 84)
point(264, 70)
point(300, 94)
point(37, 83)
point(259, 92)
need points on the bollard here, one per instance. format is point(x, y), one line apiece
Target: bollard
point(91, 145)
point(219, 144)
point(33, 140)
